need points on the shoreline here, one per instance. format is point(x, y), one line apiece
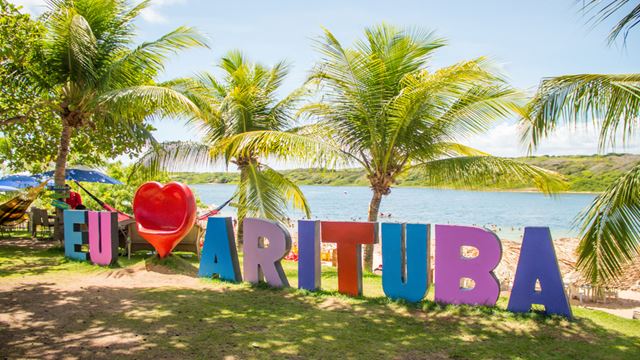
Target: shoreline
point(533, 191)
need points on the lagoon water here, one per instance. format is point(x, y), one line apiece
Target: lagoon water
point(506, 212)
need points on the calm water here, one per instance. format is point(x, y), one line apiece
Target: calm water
point(507, 211)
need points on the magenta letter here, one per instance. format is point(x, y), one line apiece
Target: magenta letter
point(451, 266)
point(103, 237)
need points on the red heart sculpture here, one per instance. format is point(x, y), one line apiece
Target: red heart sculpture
point(164, 214)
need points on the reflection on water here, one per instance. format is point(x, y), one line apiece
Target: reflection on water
point(504, 212)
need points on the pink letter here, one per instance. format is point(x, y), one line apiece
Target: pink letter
point(452, 266)
point(103, 237)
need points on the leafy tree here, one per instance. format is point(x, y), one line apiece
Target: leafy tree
point(389, 113)
point(610, 227)
point(20, 36)
point(97, 81)
point(244, 123)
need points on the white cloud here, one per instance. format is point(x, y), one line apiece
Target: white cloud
point(33, 7)
point(153, 13)
point(504, 140)
point(153, 16)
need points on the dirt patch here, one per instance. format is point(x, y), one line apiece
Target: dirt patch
point(28, 243)
point(54, 316)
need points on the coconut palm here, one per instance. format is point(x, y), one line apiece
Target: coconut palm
point(389, 112)
point(244, 123)
point(610, 227)
point(96, 77)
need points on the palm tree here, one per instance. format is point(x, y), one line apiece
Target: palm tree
point(389, 113)
point(610, 227)
point(95, 77)
point(244, 122)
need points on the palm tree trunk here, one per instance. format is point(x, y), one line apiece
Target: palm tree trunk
point(374, 210)
point(242, 205)
point(59, 175)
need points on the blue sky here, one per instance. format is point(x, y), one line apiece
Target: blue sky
point(529, 39)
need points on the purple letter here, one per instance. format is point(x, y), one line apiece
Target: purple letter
point(538, 262)
point(308, 255)
point(452, 266)
point(263, 262)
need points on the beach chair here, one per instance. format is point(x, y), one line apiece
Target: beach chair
point(130, 240)
point(192, 242)
point(40, 218)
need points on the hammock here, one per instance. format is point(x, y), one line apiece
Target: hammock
point(123, 216)
point(214, 211)
point(14, 210)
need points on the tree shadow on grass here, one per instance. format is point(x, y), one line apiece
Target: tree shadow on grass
point(242, 321)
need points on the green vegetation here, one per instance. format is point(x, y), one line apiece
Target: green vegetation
point(610, 227)
point(389, 112)
point(244, 321)
point(241, 104)
point(77, 88)
point(98, 89)
point(593, 173)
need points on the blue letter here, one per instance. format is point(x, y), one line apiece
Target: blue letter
point(219, 253)
point(405, 260)
point(74, 235)
point(538, 262)
point(308, 255)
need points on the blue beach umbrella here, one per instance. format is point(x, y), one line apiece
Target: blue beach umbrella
point(19, 181)
point(86, 175)
point(8, 188)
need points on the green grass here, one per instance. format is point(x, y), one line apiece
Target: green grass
point(244, 321)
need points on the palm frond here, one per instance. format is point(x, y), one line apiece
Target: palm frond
point(610, 230)
point(609, 101)
point(70, 44)
point(170, 157)
point(268, 192)
point(151, 56)
point(292, 193)
point(609, 8)
point(480, 171)
point(149, 98)
point(286, 146)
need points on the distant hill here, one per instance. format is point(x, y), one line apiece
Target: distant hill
point(584, 173)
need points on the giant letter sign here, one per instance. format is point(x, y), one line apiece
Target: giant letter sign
point(451, 266)
point(103, 237)
point(219, 253)
point(405, 259)
point(74, 235)
point(309, 255)
point(264, 262)
point(538, 262)
point(349, 237)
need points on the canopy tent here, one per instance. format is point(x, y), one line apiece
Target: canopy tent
point(8, 188)
point(19, 181)
point(85, 175)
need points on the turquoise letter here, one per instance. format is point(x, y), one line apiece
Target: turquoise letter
point(405, 260)
point(219, 253)
point(74, 235)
